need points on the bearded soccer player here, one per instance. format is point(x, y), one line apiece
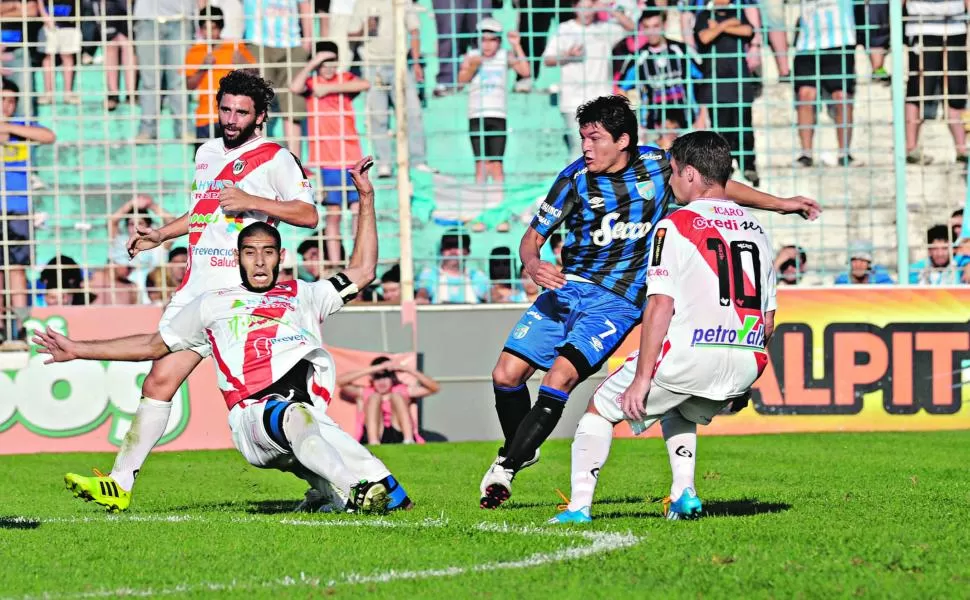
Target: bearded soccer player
point(609, 201)
point(709, 316)
point(240, 178)
point(274, 373)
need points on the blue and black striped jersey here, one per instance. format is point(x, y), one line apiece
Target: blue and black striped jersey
point(609, 220)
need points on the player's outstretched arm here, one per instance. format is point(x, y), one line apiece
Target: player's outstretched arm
point(133, 348)
point(362, 268)
point(656, 321)
point(747, 196)
point(146, 238)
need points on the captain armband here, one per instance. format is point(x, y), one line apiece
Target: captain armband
point(344, 286)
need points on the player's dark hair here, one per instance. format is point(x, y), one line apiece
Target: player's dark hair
point(937, 233)
point(706, 151)
point(957, 213)
point(614, 114)
point(177, 251)
point(327, 46)
point(247, 82)
point(255, 229)
point(211, 14)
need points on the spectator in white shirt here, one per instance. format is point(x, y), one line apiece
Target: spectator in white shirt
point(486, 70)
point(583, 48)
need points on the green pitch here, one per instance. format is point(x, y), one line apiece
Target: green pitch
point(875, 515)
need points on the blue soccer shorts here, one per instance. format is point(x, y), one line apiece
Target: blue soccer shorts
point(582, 322)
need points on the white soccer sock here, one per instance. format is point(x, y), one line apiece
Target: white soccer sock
point(591, 448)
point(147, 427)
point(313, 452)
point(680, 435)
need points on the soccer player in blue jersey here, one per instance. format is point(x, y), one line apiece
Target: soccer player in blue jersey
point(608, 200)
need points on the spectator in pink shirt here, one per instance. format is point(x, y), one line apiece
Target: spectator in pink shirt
point(385, 401)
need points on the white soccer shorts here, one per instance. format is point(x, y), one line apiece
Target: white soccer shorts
point(251, 439)
point(660, 400)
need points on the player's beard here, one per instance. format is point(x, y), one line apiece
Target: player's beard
point(244, 136)
point(259, 290)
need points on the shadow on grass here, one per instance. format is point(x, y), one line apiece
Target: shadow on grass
point(513, 505)
point(259, 507)
point(19, 523)
point(745, 507)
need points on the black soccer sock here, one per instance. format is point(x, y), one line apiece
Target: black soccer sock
point(512, 405)
point(536, 427)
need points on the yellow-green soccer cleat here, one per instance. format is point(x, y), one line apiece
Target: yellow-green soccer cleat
point(99, 489)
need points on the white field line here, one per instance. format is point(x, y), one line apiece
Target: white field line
point(596, 542)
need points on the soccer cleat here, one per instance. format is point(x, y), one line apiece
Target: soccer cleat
point(100, 489)
point(525, 465)
point(688, 506)
point(496, 486)
point(322, 502)
point(571, 516)
point(368, 498)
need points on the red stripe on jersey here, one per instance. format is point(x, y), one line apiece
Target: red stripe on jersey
point(663, 352)
point(683, 219)
point(258, 352)
point(251, 160)
point(233, 397)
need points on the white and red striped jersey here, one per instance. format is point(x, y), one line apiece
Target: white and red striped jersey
point(256, 338)
point(258, 167)
point(715, 260)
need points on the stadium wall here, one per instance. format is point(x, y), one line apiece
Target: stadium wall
point(874, 358)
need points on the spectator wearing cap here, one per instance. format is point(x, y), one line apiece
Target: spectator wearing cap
point(373, 25)
point(582, 47)
point(206, 63)
point(452, 281)
point(940, 267)
point(456, 22)
point(486, 71)
point(861, 268)
point(334, 144)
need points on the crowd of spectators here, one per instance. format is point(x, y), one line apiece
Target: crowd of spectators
point(167, 55)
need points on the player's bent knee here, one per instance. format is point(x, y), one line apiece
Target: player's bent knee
point(510, 371)
point(160, 386)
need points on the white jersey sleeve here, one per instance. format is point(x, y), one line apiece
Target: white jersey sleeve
point(186, 330)
point(326, 298)
point(287, 177)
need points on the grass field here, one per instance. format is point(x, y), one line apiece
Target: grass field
point(875, 515)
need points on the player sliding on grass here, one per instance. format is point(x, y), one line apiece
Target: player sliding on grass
point(240, 178)
point(609, 201)
point(709, 316)
point(275, 375)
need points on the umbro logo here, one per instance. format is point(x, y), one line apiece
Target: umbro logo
point(596, 202)
point(683, 452)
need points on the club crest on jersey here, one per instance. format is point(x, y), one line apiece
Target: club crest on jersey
point(520, 332)
point(646, 189)
point(239, 166)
